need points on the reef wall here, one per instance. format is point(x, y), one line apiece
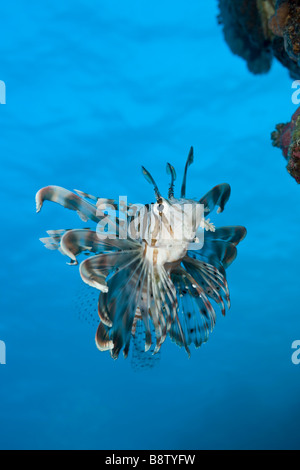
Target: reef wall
point(259, 30)
point(287, 137)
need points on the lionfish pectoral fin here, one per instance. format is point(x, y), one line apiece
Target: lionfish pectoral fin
point(49, 243)
point(86, 195)
point(147, 327)
point(103, 341)
point(83, 217)
point(67, 199)
point(95, 269)
point(53, 242)
point(218, 196)
point(72, 263)
point(118, 307)
point(92, 278)
point(232, 234)
point(210, 279)
point(196, 316)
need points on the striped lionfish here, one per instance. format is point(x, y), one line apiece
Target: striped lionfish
point(164, 283)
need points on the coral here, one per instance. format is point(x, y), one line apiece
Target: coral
point(244, 33)
point(259, 30)
point(287, 137)
point(285, 23)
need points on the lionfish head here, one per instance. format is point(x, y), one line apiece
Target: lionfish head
point(172, 223)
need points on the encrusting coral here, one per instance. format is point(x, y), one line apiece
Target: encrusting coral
point(287, 137)
point(259, 30)
point(286, 24)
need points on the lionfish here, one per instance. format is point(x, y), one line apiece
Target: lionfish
point(162, 284)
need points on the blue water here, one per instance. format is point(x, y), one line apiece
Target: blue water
point(94, 90)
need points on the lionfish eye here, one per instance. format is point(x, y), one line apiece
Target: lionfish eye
point(160, 207)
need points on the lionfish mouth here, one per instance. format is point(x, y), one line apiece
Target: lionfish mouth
point(172, 290)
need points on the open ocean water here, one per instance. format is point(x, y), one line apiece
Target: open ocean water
point(94, 91)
